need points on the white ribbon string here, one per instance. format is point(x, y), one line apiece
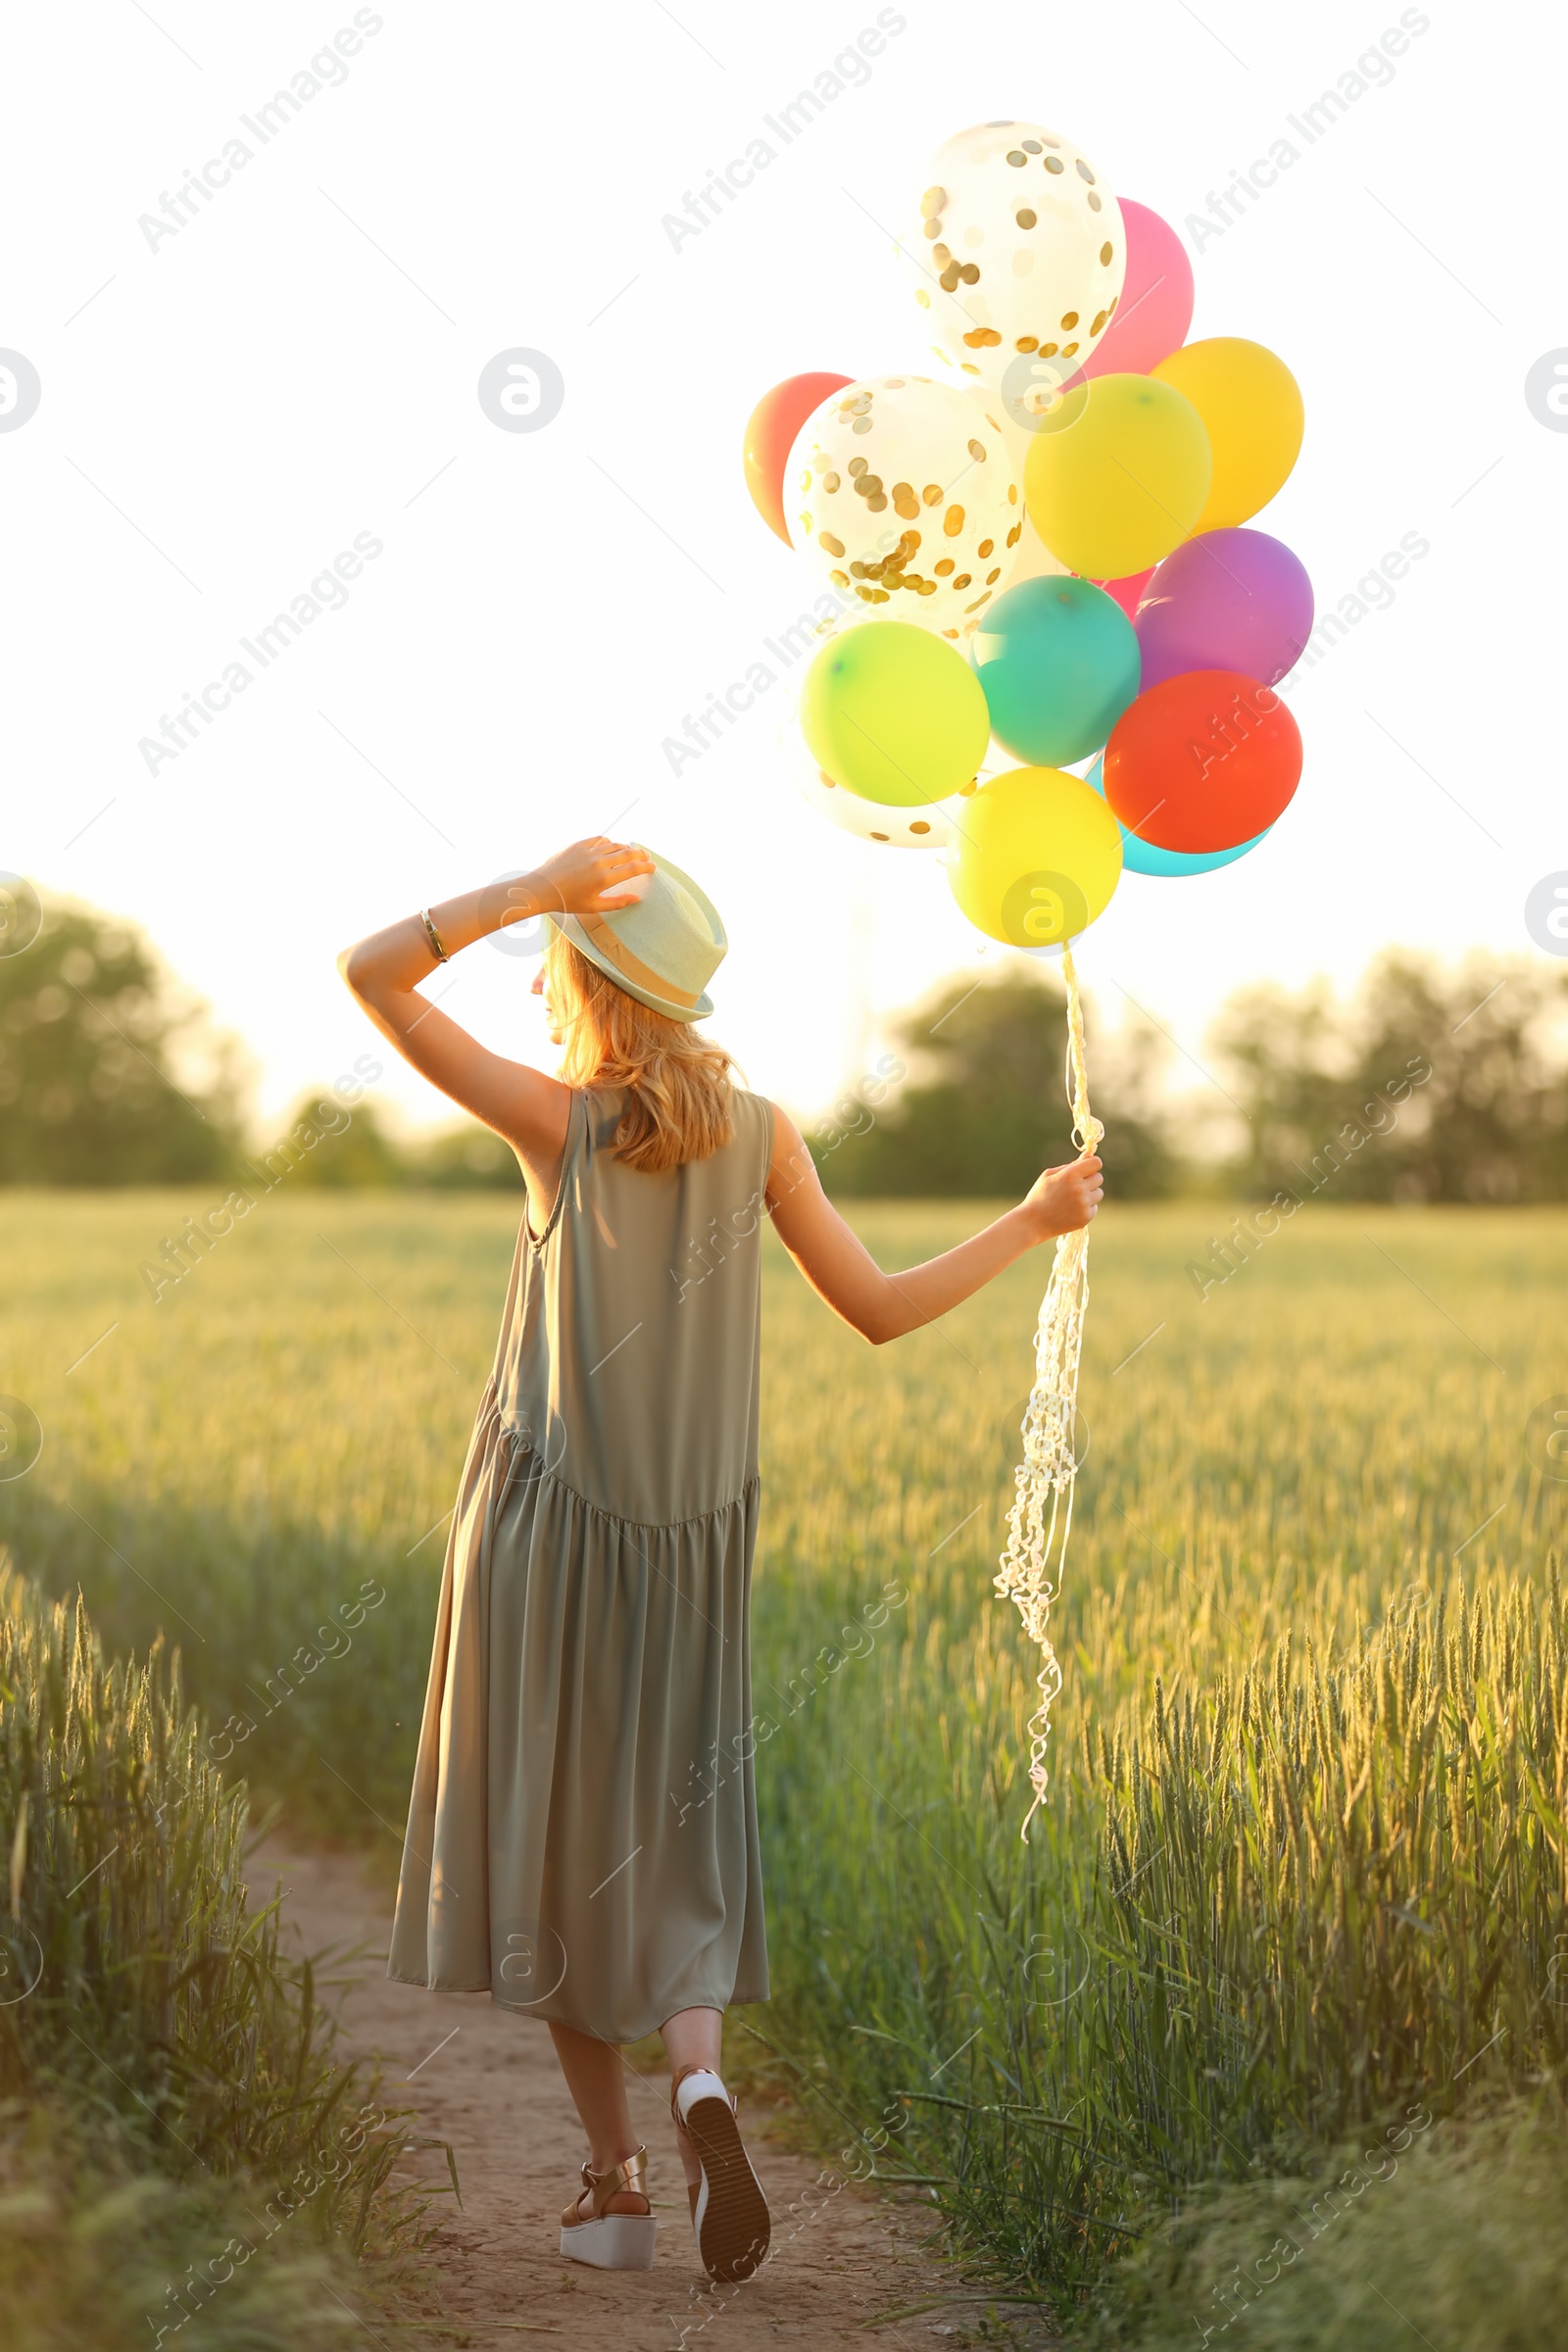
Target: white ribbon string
point(1031, 1566)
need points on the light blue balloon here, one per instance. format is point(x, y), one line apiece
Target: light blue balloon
point(1144, 858)
point(1058, 660)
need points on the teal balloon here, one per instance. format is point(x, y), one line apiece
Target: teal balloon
point(1059, 662)
point(1142, 857)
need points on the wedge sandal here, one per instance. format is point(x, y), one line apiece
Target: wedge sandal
point(611, 2242)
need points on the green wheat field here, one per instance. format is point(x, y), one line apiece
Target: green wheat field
point(1285, 1961)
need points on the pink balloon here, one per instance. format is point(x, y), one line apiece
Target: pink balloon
point(1128, 592)
point(1156, 308)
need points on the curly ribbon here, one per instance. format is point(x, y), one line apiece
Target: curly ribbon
point(1040, 1518)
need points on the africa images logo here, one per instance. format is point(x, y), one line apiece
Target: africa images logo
point(1041, 909)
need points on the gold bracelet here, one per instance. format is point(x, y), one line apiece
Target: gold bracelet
point(433, 936)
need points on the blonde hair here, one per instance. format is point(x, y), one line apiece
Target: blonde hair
point(677, 1084)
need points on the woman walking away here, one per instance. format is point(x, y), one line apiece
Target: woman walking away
point(591, 1647)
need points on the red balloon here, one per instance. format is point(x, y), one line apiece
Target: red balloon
point(770, 433)
point(1202, 762)
point(1127, 592)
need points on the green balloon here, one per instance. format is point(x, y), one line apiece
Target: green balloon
point(893, 713)
point(1059, 662)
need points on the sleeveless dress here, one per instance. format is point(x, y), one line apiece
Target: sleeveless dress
point(582, 1834)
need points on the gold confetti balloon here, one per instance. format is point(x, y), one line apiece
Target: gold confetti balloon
point(1033, 558)
point(900, 496)
point(928, 827)
point(1018, 253)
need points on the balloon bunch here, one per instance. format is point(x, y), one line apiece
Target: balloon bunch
point(1046, 555)
point(1050, 554)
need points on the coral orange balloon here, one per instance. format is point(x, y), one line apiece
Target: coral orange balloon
point(770, 433)
point(1202, 762)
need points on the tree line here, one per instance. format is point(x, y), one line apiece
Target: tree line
point(1433, 1082)
point(111, 1074)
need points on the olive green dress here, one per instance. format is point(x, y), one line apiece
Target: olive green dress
point(582, 1834)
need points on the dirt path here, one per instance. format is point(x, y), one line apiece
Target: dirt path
point(486, 2081)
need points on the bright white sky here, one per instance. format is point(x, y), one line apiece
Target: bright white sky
point(298, 365)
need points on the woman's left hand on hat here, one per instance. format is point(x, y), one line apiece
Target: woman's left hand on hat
point(595, 876)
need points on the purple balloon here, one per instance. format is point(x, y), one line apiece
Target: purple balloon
point(1228, 600)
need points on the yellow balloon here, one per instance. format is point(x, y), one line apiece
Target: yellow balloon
point(1033, 856)
point(1116, 475)
point(1250, 405)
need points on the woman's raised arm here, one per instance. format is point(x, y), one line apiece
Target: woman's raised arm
point(384, 973)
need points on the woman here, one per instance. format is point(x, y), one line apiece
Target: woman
point(582, 1835)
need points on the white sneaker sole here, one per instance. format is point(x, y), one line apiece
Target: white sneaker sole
point(731, 2220)
point(617, 2241)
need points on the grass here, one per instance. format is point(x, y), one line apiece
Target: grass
point(1456, 2229)
point(171, 2098)
point(98, 2252)
point(1303, 1860)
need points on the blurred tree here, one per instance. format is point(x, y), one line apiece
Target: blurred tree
point(466, 1159)
point(351, 1150)
point(985, 1108)
point(92, 1089)
point(1433, 1085)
